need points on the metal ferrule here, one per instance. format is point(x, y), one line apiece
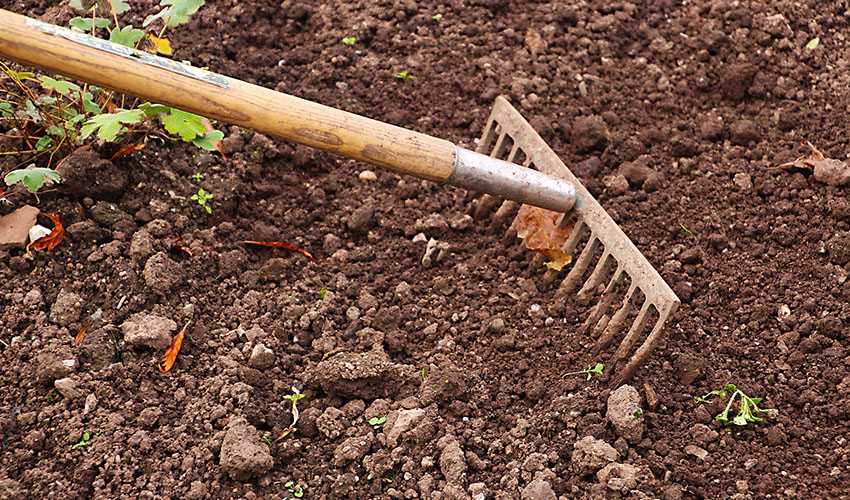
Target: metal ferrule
point(508, 180)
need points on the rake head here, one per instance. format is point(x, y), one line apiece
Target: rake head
point(607, 267)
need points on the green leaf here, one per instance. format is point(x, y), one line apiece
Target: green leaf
point(152, 110)
point(43, 143)
point(85, 23)
point(60, 86)
point(109, 125)
point(5, 109)
point(176, 12)
point(813, 43)
point(32, 178)
point(349, 40)
point(206, 142)
point(120, 6)
point(32, 112)
point(186, 125)
point(22, 75)
point(56, 130)
point(437, 17)
point(46, 101)
point(88, 103)
point(126, 36)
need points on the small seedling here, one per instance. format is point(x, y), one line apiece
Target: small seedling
point(202, 197)
point(294, 488)
point(747, 407)
point(294, 398)
point(590, 370)
point(813, 43)
point(350, 40)
point(376, 422)
point(322, 293)
point(423, 374)
point(266, 437)
point(638, 413)
point(83, 442)
point(686, 229)
point(198, 177)
point(437, 17)
point(405, 75)
point(32, 178)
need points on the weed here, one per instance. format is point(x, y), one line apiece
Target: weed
point(638, 413)
point(405, 75)
point(294, 488)
point(202, 197)
point(293, 398)
point(322, 293)
point(437, 17)
point(686, 229)
point(813, 43)
point(265, 436)
point(56, 116)
point(349, 40)
point(198, 176)
point(377, 423)
point(83, 442)
point(589, 371)
point(747, 407)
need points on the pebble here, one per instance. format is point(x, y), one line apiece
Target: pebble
point(67, 387)
point(743, 132)
point(832, 172)
point(460, 222)
point(538, 490)
point(589, 133)
point(14, 227)
point(743, 181)
point(362, 218)
point(696, 451)
point(624, 413)
point(618, 477)
point(261, 357)
point(368, 175)
point(67, 308)
point(591, 454)
point(616, 185)
point(148, 330)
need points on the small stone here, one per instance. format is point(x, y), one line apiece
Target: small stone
point(832, 172)
point(616, 185)
point(460, 222)
point(353, 449)
point(591, 454)
point(14, 227)
point(743, 132)
point(404, 421)
point(654, 182)
point(244, 454)
point(736, 79)
point(51, 365)
point(838, 248)
point(433, 225)
point(368, 175)
point(108, 214)
point(696, 451)
point(362, 219)
point(776, 25)
point(538, 490)
point(711, 128)
point(743, 181)
point(776, 435)
point(67, 387)
point(618, 477)
point(148, 330)
point(588, 168)
point(453, 463)
point(261, 357)
point(67, 308)
point(689, 368)
point(141, 245)
point(625, 413)
point(91, 404)
point(589, 133)
point(636, 172)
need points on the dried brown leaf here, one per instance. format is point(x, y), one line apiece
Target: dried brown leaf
point(539, 231)
point(173, 349)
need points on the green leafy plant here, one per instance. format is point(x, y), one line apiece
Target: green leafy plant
point(405, 75)
point(813, 43)
point(32, 178)
point(377, 423)
point(437, 17)
point(202, 197)
point(590, 371)
point(265, 436)
point(198, 176)
point(350, 40)
point(322, 293)
point(747, 406)
point(50, 114)
point(638, 413)
point(294, 488)
point(83, 442)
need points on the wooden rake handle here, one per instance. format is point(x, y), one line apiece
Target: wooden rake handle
point(163, 81)
point(78, 56)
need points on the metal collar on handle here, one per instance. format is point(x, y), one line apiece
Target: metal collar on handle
point(507, 180)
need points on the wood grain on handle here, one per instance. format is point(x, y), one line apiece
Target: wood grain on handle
point(234, 102)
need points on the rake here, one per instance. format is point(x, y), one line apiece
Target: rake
point(619, 273)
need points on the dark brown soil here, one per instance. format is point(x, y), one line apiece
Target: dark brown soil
point(466, 359)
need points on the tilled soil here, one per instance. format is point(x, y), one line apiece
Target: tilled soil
point(675, 116)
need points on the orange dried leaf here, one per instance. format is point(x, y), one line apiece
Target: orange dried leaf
point(277, 244)
point(807, 161)
point(160, 45)
point(171, 352)
point(80, 336)
point(50, 241)
point(539, 230)
point(127, 150)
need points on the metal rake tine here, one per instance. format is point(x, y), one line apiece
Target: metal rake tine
point(617, 320)
point(643, 352)
point(570, 283)
point(595, 278)
point(634, 332)
point(506, 211)
point(605, 302)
